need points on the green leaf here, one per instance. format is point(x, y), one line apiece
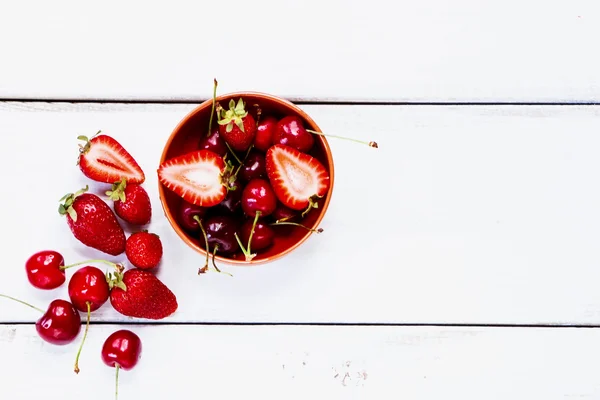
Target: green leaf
point(231, 104)
point(229, 127)
point(121, 285)
point(222, 122)
point(240, 106)
point(83, 137)
point(240, 124)
point(122, 196)
point(72, 213)
point(62, 210)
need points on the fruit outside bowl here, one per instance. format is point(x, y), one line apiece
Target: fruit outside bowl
point(185, 138)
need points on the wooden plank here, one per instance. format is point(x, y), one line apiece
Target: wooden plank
point(433, 50)
point(298, 362)
point(463, 215)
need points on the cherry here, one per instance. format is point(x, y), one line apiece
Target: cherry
point(220, 231)
point(264, 133)
point(283, 213)
point(213, 142)
point(258, 196)
point(291, 132)
point(254, 167)
point(60, 323)
point(121, 350)
point(233, 198)
point(44, 269)
point(186, 213)
point(258, 238)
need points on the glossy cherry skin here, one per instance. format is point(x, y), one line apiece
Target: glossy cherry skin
point(264, 133)
point(186, 213)
point(283, 213)
point(122, 348)
point(214, 142)
point(291, 132)
point(261, 239)
point(254, 167)
point(231, 202)
point(258, 196)
point(60, 324)
point(43, 269)
point(88, 284)
point(220, 231)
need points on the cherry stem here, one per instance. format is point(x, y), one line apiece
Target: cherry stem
point(370, 144)
point(248, 252)
point(205, 243)
point(87, 327)
point(112, 264)
point(22, 302)
point(117, 367)
point(213, 261)
point(212, 112)
point(282, 222)
point(242, 162)
point(233, 153)
point(258, 114)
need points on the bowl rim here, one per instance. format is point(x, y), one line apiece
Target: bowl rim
point(207, 103)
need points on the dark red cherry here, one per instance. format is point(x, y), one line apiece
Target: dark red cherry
point(291, 132)
point(254, 167)
point(88, 285)
point(261, 239)
point(220, 231)
point(60, 324)
point(43, 269)
point(186, 213)
point(122, 348)
point(264, 133)
point(231, 202)
point(214, 142)
point(258, 196)
point(283, 213)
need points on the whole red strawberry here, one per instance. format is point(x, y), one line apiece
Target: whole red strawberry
point(140, 294)
point(144, 250)
point(237, 127)
point(131, 202)
point(92, 222)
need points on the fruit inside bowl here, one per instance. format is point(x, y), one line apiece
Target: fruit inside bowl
point(246, 178)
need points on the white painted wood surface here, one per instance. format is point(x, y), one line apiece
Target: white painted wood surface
point(432, 50)
point(303, 362)
point(463, 215)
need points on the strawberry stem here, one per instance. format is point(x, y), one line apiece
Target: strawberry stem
point(111, 264)
point(22, 302)
point(87, 327)
point(212, 112)
point(370, 144)
point(203, 269)
point(282, 222)
point(312, 203)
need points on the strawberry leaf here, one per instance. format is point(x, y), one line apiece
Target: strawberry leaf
point(229, 127)
point(72, 213)
point(240, 124)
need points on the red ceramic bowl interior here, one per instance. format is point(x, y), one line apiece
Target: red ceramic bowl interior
point(185, 138)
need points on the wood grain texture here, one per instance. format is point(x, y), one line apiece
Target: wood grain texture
point(433, 50)
point(463, 215)
point(303, 362)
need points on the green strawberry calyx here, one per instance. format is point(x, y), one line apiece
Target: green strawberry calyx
point(118, 191)
point(235, 115)
point(85, 147)
point(115, 279)
point(67, 206)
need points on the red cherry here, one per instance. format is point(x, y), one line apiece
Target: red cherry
point(283, 213)
point(121, 350)
point(43, 269)
point(261, 238)
point(60, 324)
point(291, 132)
point(254, 167)
point(264, 133)
point(213, 142)
point(258, 196)
point(186, 213)
point(88, 285)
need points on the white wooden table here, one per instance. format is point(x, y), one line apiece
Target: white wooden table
point(459, 260)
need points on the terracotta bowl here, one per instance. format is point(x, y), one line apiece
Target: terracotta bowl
point(185, 138)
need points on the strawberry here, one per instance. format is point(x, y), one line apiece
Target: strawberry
point(131, 202)
point(140, 294)
point(144, 250)
point(103, 159)
point(92, 222)
point(298, 179)
point(196, 177)
point(237, 127)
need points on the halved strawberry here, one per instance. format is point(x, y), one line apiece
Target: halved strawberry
point(298, 179)
point(195, 176)
point(103, 159)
